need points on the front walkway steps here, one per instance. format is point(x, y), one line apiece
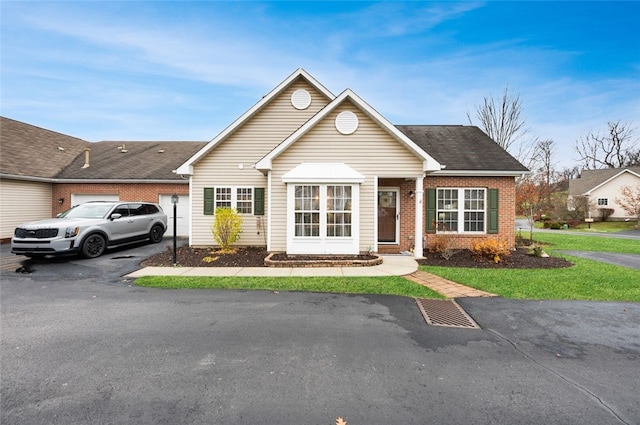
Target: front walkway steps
point(445, 287)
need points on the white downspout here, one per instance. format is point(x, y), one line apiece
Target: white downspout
point(419, 214)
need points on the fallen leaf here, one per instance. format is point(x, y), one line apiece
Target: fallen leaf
point(340, 421)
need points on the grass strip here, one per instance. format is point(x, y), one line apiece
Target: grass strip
point(388, 285)
point(587, 280)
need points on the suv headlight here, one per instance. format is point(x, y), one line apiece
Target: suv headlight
point(71, 232)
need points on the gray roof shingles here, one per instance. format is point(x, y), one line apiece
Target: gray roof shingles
point(132, 161)
point(462, 148)
point(29, 151)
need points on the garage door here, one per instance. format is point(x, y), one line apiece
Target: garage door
point(81, 198)
point(182, 216)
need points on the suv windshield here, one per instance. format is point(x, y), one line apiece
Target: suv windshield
point(88, 210)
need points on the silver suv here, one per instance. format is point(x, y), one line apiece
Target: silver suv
point(88, 229)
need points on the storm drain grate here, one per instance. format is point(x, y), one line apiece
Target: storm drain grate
point(445, 313)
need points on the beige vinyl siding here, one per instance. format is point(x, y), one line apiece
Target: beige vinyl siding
point(370, 150)
point(611, 191)
point(22, 201)
point(246, 146)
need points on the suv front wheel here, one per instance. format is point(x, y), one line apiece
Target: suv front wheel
point(93, 246)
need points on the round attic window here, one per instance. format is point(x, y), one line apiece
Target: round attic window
point(301, 99)
point(346, 122)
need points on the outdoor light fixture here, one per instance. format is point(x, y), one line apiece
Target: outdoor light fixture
point(61, 201)
point(411, 194)
point(174, 200)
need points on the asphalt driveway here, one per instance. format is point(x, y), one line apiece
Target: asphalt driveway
point(82, 345)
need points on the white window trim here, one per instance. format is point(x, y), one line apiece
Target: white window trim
point(234, 197)
point(323, 244)
point(604, 203)
point(461, 210)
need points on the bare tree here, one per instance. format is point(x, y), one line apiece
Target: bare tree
point(501, 119)
point(545, 167)
point(616, 147)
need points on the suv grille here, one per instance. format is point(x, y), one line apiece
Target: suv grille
point(36, 233)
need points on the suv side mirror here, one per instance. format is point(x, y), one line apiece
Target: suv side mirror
point(115, 216)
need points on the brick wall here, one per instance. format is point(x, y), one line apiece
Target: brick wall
point(506, 209)
point(506, 205)
point(149, 192)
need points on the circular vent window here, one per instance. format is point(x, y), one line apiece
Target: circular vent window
point(301, 99)
point(346, 122)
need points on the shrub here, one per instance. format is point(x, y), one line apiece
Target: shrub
point(226, 227)
point(605, 213)
point(494, 249)
point(443, 243)
point(574, 223)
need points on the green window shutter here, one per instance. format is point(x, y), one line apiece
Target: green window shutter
point(208, 201)
point(431, 210)
point(492, 225)
point(258, 201)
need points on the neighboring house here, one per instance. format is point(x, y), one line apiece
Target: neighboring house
point(314, 173)
point(43, 173)
point(602, 187)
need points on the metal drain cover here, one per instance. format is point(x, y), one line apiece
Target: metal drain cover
point(445, 313)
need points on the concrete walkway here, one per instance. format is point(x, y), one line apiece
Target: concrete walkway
point(392, 265)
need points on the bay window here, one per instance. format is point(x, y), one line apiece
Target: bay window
point(323, 211)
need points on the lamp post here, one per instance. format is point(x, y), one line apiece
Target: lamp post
point(174, 200)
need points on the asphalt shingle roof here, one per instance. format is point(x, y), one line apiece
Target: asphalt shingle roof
point(462, 148)
point(592, 178)
point(132, 161)
point(30, 151)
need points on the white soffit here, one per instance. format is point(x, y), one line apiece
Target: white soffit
point(323, 172)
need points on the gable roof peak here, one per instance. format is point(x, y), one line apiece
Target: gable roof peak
point(187, 167)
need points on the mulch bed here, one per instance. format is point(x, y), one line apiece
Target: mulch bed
point(519, 259)
point(254, 257)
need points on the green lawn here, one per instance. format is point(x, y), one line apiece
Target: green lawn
point(392, 285)
point(587, 280)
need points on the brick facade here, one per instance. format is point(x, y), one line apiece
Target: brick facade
point(506, 209)
point(148, 192)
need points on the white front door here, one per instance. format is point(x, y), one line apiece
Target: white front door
point(323, 218)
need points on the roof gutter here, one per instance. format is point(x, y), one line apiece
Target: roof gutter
point(54, 180)
point(482, 173)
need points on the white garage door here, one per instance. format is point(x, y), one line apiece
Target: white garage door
point(182, 216)
point(81, 198)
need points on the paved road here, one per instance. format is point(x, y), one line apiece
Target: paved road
point(523, 225)
point(81, 345)
point(625, 260)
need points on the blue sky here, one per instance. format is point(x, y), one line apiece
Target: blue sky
point(174, 70)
